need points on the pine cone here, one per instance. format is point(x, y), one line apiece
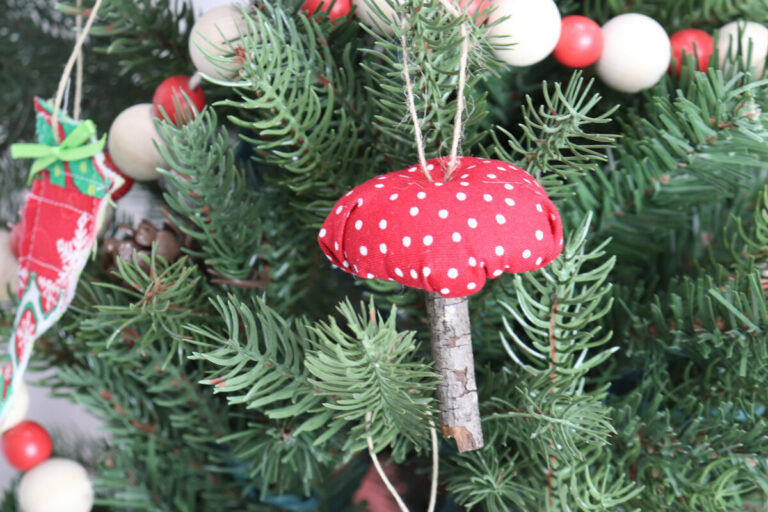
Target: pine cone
point(169, 244)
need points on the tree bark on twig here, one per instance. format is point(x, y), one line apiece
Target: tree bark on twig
point(452, 352)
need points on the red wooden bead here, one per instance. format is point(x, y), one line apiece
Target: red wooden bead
point(26, 445)
point(340, 8)
point(169, 93)
point(692, 41)
point(581, 42)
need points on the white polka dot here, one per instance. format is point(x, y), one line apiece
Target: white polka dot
point(491, 176)
point(407, 241)
point(526, 254)
point(421, 195)
point(369, 275)
point(456, 237)
point(383, 248)
point(501, 168)
point(445, 291)
point(358, 225)
point(464, 176)
point(426, 271)
point(471, 167)
point(471, 286)
point(486, 161)
point(443, 214)
point(453, 273)
point(488, 197)
point(360, 202)
point(378, 185)
point(500, 219)
point(461, 196)
point(539, 234)
point(539, 260)
point(383, 224)
point(414, 274)
point(335, 246)
point(509, 201)
point(412, 169)
point(430, 167)
point(472, 223)
point(561, 241)
point(499, 250)
point(509, 187)
point(464, 183)
point(323, 232)
point(339, 209)
point(356, 269)
point(363, 250)
point(428, 240)
point(472, 261)
point(398, 272)
point(414, 211)
point(381, 178)
point(497, 273)
point(527, 181)
point(552, 216)
point(349, 193)
point(393, 197)
point(346, 264)
point(538, 208)
point(438, 183)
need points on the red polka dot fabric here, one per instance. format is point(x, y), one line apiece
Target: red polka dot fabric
point(445, 237)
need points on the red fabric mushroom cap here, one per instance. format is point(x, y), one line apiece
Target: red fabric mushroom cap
point(445, 237)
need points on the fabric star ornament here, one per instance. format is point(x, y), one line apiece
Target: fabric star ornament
point(71, 184)
point(449, 236)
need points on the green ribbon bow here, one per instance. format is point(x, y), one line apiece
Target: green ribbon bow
point(71, 149)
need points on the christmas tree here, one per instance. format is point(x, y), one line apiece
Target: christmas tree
point(622, 367)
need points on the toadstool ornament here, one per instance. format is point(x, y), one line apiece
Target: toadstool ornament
point(446, 236)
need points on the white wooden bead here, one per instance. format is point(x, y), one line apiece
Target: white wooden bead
point(370, 17)
point(17, 408)
point(532, 29)
point(728, 38)
point(217, 33)
point(9, 267)
point(131, 143)
point(636, 53)
point(56, 485)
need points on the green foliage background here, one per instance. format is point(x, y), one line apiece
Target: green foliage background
point(628, 375)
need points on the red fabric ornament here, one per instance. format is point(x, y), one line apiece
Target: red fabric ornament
point(127, 184)
point(169, 93)
point(26, 445)
point(340, 8)
point(580, 43)
point(17, 233)
point(445, 237)
point(692, 41)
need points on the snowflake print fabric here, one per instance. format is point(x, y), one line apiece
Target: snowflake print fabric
point(61, 215)
point(447, 237)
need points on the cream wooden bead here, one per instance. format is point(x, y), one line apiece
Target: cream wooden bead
point(728, 38)
point(636, 53)
point(9, 267)
point(368, 16)
point(56, 485)
point(131, 143)
point(217, 32)
point(532, 28)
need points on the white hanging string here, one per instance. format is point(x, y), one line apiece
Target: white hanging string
point(68, 70)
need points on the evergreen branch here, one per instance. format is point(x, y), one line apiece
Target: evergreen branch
point(559, 309)
point(434, 40)
point(555, 146)
point(149, 36)
point(366, 366)
point(211, 199)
